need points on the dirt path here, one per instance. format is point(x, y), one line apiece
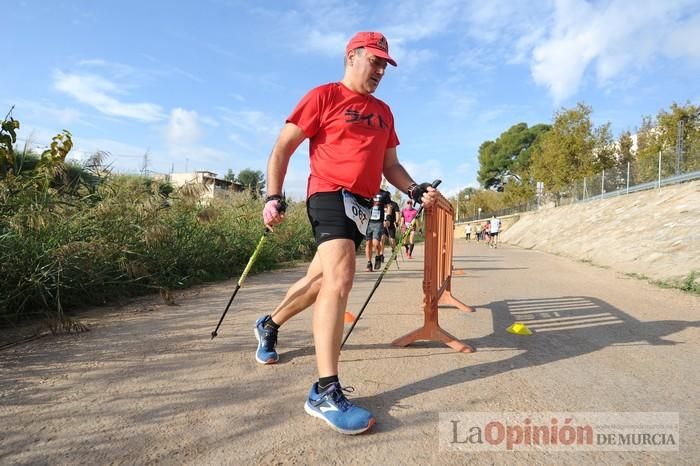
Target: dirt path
point(148, 385)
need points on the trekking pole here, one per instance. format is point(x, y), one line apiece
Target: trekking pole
point(396, 261)
point(251, 261)
point(386, 267)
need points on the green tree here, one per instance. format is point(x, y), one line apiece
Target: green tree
point(661, 136)
point(679, 131)
point(470, 200)
point(508, 157)
point(571, 150)
point(252, 180)
point(625, 153)
point(648, 148)
point(230, 176)
point(623, 157)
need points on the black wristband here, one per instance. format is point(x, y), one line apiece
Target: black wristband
point(273, 197)
point(410, 189)
point(416, 191)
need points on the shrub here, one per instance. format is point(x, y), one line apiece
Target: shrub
point(77, 235)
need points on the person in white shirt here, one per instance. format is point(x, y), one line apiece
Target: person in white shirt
point(493, 233)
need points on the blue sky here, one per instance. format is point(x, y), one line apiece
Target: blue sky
point(207, 85)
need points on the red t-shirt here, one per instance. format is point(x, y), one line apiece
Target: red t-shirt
point(348, 136)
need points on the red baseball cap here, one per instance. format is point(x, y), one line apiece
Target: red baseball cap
point(374, 41)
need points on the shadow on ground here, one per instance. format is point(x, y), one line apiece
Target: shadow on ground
point(565, 327)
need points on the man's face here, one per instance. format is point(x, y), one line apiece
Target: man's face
point(367, 70)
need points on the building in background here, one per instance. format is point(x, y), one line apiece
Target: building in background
point(213, 187)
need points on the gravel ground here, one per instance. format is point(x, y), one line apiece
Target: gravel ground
point(148, 385)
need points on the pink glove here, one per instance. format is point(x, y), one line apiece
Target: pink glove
point(273, 213)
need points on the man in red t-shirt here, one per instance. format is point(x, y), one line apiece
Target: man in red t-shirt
point(352, 142)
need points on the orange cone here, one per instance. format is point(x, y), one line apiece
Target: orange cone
point(349, 317)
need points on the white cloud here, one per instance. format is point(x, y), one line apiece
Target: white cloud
point(96, 91)
point(464, 168)
point(168, 69)
point(118, 70)
point(240, 141)
point(611, 37)
point(560, 40)
point(200, 158)
point(425, 170)
point(330, 44)
point(683, 40)
point(209, 121)
point(455, 103)
point(253, 122)
point(63, 115)
point(183, 128)
point(126, 156)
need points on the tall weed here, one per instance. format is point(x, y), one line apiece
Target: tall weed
point(126, 236)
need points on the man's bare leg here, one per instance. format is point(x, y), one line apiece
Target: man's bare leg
point(338, 264)
point(301, 294)
point(326, 398)
point(369, 246)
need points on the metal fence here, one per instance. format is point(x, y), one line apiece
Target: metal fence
point(668, 168)
point(665, 169)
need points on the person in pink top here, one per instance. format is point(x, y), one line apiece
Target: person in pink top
point(408, 214)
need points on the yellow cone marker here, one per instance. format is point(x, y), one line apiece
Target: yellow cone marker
point(519, 328)
point(349, 317)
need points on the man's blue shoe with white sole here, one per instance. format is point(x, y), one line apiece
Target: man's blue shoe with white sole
point(267, 340)
point(332, 406)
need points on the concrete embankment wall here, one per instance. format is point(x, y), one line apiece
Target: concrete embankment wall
point(654, 233)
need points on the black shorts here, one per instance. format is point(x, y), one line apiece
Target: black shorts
point(326, 213)
point(390, 231)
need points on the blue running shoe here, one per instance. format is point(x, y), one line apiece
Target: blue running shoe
point(267, 339)
point(337, 411)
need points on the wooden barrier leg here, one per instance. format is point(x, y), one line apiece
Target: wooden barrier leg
point(417, 334)
point(432, 331)
point(433, 334)
point(441, 335)
point(448, 300)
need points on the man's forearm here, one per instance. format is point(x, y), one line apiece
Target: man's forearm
point(289, 139)
point(276, 170)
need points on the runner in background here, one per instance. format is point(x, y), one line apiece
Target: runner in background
point(391, 221)
point(375, 230)
point(407, 215)
point(493, 233)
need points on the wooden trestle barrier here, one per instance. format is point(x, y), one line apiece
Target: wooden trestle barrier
point(437, 280)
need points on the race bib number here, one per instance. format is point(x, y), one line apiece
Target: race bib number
point(356, 212)
point(376, 213)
